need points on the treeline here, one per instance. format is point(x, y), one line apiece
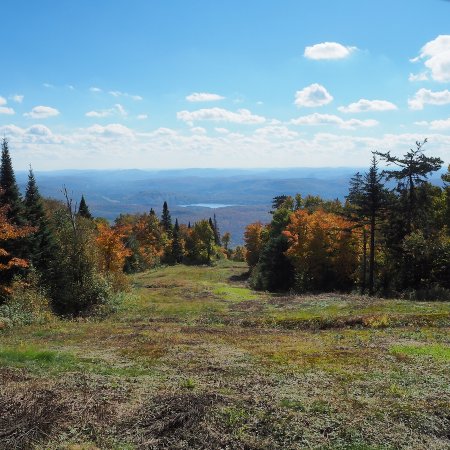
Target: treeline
point(57, 258)
point(390, 237)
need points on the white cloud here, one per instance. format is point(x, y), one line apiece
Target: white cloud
point(418, 77)
point(6, 110)
point(48, 85)
point(203, 97)
point(118, 109)
point(17, 98)
point(222, 130)
point(95, 89)
point(436, 55)
point(142, 117)
point(312, 96)
point(278, 132)
point(42, 112)
point(243, 116)
point(198, 130)
point(328, 50)
point(125, 94)
point(111, 130)
point(3, 101)
point(442, 124)
point(424, 96)
point(330, 119)
point(364, 105)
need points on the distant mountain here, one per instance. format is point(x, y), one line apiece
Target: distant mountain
point(248, 191)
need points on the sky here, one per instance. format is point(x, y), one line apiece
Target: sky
point(157, 84)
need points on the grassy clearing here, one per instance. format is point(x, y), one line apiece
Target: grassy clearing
point(196, 360)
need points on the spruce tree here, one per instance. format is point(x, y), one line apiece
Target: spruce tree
point(166, 220)
point(41, 244)
point(216, 231)
point(177, 248)
point(83, 209)
point(10, 194)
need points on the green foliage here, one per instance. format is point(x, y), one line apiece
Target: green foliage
point(27, 304)
point(76, 285)
point(41, 246)
point(83, 209)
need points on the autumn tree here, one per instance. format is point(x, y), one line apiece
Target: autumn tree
point(9, 261)
point(253, 238)
point(226, 238)
point(112, 252)
point(322, 250)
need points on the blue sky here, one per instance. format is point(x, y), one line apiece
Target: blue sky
point(154, 84)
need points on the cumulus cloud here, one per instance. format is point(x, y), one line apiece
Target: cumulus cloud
point(312, 96)
point(441, 124)
point(436, 57)
point(424, 96)
point(125, 94)
point(418, 77)
point(328, 50)
point(3, 101)
point(142, 116)
point(279, 132)
point(48, 85)
point(6, 110)
point(42, 112)
point(364, 105)
point(17, 98)
point(330, 119)
point(95, 89)
point(203, 97)
point(242, 116)
point(111, 130)
point(118, 109)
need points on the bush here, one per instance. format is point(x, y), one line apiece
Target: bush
point(27, 304)
point(432, 293)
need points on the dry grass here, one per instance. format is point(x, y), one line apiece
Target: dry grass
point(196, 360)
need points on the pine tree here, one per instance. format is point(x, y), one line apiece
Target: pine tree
point(166, 220)
point(83, 209)
point(10, 194)
point(216, 231)
point(177, 247)
point(41, 244)
point(367, 198)
point(413, 171)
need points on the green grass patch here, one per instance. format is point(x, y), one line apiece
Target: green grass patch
point(436, 351)
point(235, 293)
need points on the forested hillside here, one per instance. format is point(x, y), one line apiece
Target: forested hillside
point(328, 329)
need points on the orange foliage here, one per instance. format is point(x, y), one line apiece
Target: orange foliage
point(322, 245)
point(9, 231)
point(253, 238)
point(110, 241)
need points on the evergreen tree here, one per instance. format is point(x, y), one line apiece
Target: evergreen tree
point(83, 209)
point(367, 198)
point(166, 220)
point(41, 244)
point(177, 247)
point(413, 171)
point(10, 194)
point(216, 231)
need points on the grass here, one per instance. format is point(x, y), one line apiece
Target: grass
point(195, 359)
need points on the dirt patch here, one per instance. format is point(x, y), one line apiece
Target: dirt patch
point(32, 411)
point(182, 421)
